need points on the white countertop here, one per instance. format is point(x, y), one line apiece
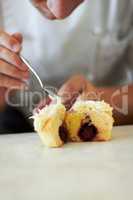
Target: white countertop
point(85, 171)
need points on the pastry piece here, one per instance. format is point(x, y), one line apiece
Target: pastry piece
point(89, 121)
point(48, 122)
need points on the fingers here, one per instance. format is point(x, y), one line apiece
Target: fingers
point(9, 47)
point(12, 58)
point(18, 37)
point(90, 93)
point(10, 70)
point(42, 104)
point(41, 5)
point(70, 91)
point(11, 83)
point(62, 8)
point(9, 42)
point(76, 83)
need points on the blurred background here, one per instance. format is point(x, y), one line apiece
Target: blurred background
point(96, 40)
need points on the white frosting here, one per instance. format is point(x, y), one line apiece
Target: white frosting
point(97, 105)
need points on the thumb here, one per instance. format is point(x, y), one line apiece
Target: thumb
point(18, 37)
point(70, 91)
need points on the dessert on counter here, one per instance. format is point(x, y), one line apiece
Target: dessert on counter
point(84, 121)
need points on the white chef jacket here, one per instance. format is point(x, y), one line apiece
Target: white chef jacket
point(58, 49)
point(54, 48)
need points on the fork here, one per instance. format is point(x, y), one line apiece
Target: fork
point(47, 92)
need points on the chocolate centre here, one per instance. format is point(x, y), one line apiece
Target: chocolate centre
point(63, 133)
point(87, 132)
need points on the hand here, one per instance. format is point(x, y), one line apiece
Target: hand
point(74, 88)
point(56, 9)
point(77, 87)
point(12, 70)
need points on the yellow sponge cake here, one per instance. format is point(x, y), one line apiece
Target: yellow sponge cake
point(48, 122)
point(89, 121)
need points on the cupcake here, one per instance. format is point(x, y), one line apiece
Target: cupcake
point(49, 124)
point(84, 121)
point(89, 121)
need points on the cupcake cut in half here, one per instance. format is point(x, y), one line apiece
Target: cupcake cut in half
point(85, 121)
